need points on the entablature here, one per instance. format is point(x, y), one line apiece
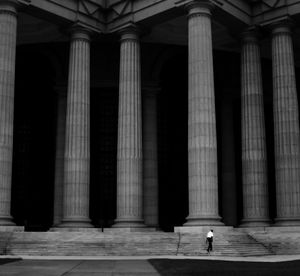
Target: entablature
point(109, 16)
point(106, 16)
point(268, 11)
point(156, 11)
point(88, 13)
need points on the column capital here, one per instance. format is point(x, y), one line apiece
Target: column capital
point(196, 7)
point(281, 27)
point(251, 35)
point(9, 6)
point(79, 32)
point(130, 32)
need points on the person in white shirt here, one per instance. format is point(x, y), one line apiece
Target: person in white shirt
point(209, 240)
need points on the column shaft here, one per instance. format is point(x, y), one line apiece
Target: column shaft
point(129, 158)
point(202, 142)
point(77, 146)
point(254, 156)
point(8, 31)
point(150, 177)
point(59, 158)
point(286, 127)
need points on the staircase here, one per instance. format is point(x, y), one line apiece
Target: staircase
point(225, 244)
point(91, 244)
point(233, 243)
point(4, 240)
point(279, 242)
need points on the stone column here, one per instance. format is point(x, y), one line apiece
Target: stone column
point(8, 34)
point(59, 157)
point(77, 145)
point(286, 127)
point(150, 174)
point(202, 141)
point(129, 158)
point(254, 152)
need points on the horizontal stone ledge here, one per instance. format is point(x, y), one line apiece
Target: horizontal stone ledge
point(202, 229)
point(129, 229)
point(75, 229)
point(7, 228)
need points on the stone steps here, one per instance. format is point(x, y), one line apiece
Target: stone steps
point(92, 244)
point(280, 243)
point(237, 244)
point(4, 240)
point(233, 243)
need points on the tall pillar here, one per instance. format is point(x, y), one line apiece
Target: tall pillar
point(202, 140)
point(150, 173)
point(77, 145)
point(129, 157)
point(59, 157)
point(8, 34)
point(286, 127)
point(254, 153)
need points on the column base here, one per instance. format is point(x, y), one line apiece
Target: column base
point(129, 223)
point(6, 221)
point(271, 229)
point(255, 223)
point(129, 230)
point(75, 229)
point(203, 221)
point(287, 222)
point(153, 227)
point(75, 223)
point(202, 229)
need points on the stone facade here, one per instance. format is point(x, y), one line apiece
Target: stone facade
point(213, 192)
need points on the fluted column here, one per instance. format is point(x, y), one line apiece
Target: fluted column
point(8, 34)
point(150, 177)
point(129, 157)
point(77, 145)
point(254, 153)
point(202, 141)
point(286, 127)
point(59, 157)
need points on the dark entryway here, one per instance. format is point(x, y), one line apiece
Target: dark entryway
point(34, 140)
point(173, 143)
point(104, 134)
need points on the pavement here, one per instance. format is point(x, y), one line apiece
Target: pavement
point(100, 266)
point(77, 268)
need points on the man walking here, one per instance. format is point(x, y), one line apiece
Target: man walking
point(209, 240)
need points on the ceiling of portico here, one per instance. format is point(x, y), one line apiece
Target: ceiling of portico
point(175, 32)
point(36, 30)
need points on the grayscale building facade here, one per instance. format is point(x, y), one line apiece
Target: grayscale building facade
point(159, 114)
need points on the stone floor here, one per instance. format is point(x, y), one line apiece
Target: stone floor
point(77, 268)
point(167, 265)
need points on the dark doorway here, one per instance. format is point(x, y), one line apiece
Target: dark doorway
point(173, 143)
point(34, 141)
point(104, 134)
